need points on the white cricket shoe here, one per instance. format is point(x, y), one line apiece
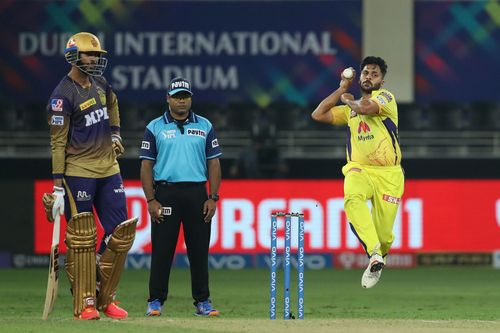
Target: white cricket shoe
point(372, 273)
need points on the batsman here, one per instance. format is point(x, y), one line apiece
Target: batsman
point(84, 123)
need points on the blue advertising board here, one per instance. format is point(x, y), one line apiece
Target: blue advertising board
point(232, 51)
point(457, 51)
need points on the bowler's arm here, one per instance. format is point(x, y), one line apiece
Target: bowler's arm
point(322, 112)
point(364, 106)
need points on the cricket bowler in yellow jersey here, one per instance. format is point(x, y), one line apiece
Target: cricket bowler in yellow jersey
point(373, 170)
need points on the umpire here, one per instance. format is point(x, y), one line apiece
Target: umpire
point(178, 153)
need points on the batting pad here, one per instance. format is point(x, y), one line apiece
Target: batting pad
point(112, 261)
point(80, 262)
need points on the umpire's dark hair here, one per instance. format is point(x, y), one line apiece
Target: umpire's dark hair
point(370, 60)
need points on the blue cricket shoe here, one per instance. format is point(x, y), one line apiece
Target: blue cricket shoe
point(205, 309)
point(154, 308)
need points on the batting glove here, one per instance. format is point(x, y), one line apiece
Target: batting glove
point(117, 145)
point(58, 207)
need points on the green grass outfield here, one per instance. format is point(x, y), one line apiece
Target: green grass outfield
point(443, 299)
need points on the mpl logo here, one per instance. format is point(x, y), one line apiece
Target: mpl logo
point(96, 116)
point(363, 127)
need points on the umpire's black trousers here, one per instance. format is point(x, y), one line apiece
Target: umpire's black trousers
point(186, 202)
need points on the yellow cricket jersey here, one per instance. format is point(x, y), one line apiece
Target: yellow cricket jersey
point(373, 139)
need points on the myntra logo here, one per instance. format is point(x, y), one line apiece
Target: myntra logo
point(363, 127)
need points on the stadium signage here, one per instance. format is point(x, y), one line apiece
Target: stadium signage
point(425, 222)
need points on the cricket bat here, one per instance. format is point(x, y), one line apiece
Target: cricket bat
point(52, 283)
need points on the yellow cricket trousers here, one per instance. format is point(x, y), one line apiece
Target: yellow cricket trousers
point(383, 186)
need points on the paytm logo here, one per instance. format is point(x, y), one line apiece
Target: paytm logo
point(179, 84)
point(196, 132)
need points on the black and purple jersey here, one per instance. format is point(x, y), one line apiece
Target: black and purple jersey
point(81, 121)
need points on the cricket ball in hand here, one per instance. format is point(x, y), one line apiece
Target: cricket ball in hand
point(348, 73)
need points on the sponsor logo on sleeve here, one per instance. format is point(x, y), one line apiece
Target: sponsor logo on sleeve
point(384, 97)
point(88, 103)
point(387, 96)
point(145, 145)
point(381, 100)
point(57, 104)
point(57, 120)
point(215, 143)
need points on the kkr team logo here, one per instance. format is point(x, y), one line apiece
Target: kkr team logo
point(363, 127)
point(82, 196)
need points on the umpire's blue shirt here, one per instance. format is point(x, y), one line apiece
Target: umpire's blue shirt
point(180, 157)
